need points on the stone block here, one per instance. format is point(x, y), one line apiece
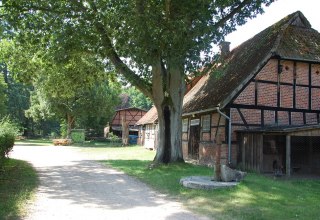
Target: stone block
point(229, 175)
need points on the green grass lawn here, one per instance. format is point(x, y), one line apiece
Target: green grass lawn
point(18, 181)
point(257, 197)
point(35, 142)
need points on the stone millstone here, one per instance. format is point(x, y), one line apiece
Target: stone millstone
point(204, 182)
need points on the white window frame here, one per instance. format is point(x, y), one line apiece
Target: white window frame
point(206, 122)
point(185, 125)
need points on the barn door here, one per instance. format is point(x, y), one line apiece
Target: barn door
point(193, 145)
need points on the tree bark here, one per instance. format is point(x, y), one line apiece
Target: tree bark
point(70, 122)
point(125, 132)
point(168, 93)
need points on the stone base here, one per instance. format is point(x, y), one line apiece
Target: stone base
point(204, 182)
point(228, 174)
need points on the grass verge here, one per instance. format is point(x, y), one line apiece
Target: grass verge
point(18, 181)
point(34, 142)
point(257, 197)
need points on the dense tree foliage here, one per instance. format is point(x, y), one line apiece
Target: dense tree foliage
point(76, 88)
point(161, 39)
point(137, 99)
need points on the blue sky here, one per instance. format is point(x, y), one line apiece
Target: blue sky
point(275, 12)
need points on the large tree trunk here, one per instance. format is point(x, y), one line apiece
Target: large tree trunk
point(125, 132)
point(168, 91)
point(70, 122)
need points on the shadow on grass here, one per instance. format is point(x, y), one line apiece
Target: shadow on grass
point(257, 197)
point(18, 181)
point(34, 142)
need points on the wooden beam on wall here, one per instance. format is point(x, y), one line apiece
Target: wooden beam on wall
point(288, 155)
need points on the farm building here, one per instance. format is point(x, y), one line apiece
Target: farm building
point(148, 128)
point(263, 98)
point(131, 116)
point(148, 124)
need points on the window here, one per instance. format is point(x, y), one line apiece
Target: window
point(185, 123)
point(205, 123)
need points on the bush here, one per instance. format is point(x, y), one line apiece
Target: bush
point(78, 135)
point(8, 133)
point(114, 138)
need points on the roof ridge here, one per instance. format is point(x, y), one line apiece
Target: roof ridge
point(292, 19)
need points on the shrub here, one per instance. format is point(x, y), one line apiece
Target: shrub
point(8, 133)
point(78, 135)
point(113, 138)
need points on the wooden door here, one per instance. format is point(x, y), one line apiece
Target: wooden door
point(194, 139)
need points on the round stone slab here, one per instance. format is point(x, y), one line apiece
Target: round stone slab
point(204, 182)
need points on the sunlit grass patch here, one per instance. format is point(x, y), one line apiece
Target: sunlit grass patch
point(256, 197)
point(18, 181)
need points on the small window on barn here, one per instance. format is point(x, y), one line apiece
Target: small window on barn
point(185, 123)
point(205, 123)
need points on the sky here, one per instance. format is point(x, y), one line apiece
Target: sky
point(275, 12)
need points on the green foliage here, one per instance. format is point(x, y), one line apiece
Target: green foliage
point(8, 133)
point(3, 96)
point(137, 98)
point(18, 94)
point(78, 135)
point(167, 29)
point(18, 182)
point(66, 87)
point(114, 138)
point(63, 129)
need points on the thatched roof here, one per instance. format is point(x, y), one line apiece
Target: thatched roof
point(149, 118)
point(290, 38)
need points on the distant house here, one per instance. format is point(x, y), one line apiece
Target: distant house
point(148, 127)
point(130, 115)
point(263, 97)
point(148, 124)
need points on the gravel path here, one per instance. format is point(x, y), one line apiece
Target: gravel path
point(74, 187)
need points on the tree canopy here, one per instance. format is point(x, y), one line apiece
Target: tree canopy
point(75, 88)
point(152, 43)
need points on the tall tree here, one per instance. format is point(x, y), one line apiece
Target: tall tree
point(162, 39)
point(137, 99)
point(73, 87)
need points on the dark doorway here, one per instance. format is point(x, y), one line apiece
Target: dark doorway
point(305, 155)
point(274, 153)
point(193, 145)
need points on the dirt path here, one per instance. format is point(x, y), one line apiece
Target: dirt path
point(74, 186)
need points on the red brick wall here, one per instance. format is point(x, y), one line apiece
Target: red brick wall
point(311, 118)
point(247, 96)
point(286, 96)
point(287, 72)
point(315, 100)
point(283, 118)
point(302, 73)
point(302, 100)
point(267, 94)
point(205, 136)
point(269, 71)
point(315, 74)
point(297, 118)
point(266, 86)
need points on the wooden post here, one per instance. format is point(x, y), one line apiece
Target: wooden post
point(288, 155)
point(125, 132)
point(217, 162)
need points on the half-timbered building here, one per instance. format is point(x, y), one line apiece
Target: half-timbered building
point(148, 129)
point(263, 99)
point(130, 116)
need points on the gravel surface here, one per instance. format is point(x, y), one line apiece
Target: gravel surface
point(73, 186)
